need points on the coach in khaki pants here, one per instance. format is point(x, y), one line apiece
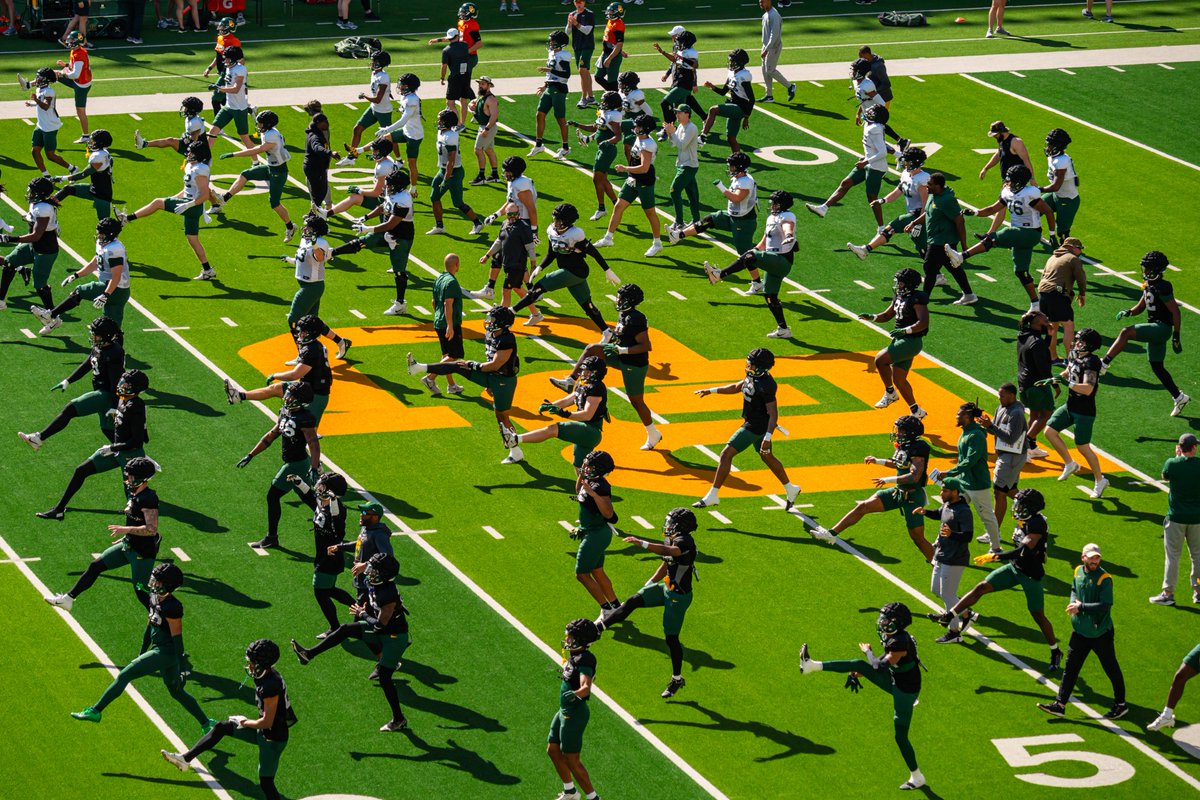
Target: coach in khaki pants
point(1182, 522)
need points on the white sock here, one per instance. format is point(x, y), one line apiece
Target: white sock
point(1168, 712)
point(419, 368)
point(569, 787)
point(789, 486)
point(812, 666)
point(516, 453)
point(651, 429)
point(711, 495)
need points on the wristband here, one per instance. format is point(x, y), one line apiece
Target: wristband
point(645, 544)
point(892, 479)
point(766, 437)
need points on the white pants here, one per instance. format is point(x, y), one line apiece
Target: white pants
point(770, 69)
point(982, 500)
point(1174, 535)
point(944, 583)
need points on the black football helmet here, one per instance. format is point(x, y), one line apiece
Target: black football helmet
point(859, 68)
point(759, 362)
point(781, 201)
point(645, 125)
point(878, 114)
point(557, 40)
point(297, 394)
point(1087, 340)
point(104, 330)
point(331, 484)
point(380, 149)
point(261, 655)
point(308, 328)
point(44, 77)
point(610, 101)
point(39, 190)
point(467, 11)
point(596, 464)
point(907, 429)
point(514, 167)
point(580, 632)
point(447, 119)
point(409, 83)
point(629, 297)
point(198, 152)
point(191, 107)
point(314, 227)
point(1027, 503)
point(1018, 177)
point(592, 369)
point(164, 578)
point(137, 471)
point(738, 163)
point(499, 318)
point(99, 139)
point(107, 230)
point(132, 383)
point(906, 281)
point(893, 618)
point(565, 213)
point(913, 158)
point(381, 568)
point(396, 181)
point(680, 520)
point(232, 55)
point(738, 59)
point(380, 60)
point(628, 80)
point(1057, 141)
point(1154, 264)
point(266, 120)
point(685, 40)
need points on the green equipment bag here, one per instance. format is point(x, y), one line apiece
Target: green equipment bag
point(357, 47)
point(902, 19)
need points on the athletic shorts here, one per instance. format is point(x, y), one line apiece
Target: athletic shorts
point(1155, 336)
point(742, 228)
point(910, 504)
point(1062, 418)
point(276, 178)
point(458, 87)
point(674, 605)
point(1021, 241)
point(47, 140)
point(371, 117)
point(555, 99)
point(140, 567)
point(873, 178)
point(502, 387)
point(485, 141)
point(583, 435)
point(642, 192)
point(1056, 306)
point(412, 147)
point(917, 234)
point(98, 403)
point(564, 279)
point(191, 217)
point(592, 547)
point(392, 647)
point(303, 468)
point(43, 263)
point(239, 117)
point(1038, 398)
point(1009, 576)
point(606, 153)
point(1192, 659)
point(106, 462)
point(452, 347)
point(904, 350)
point(634, 377)
point(1065, 209)
point(81, 92)
point(743, 437)
point(567, 727)
point(1006, 474)
point(775, 265)
point(733, 118)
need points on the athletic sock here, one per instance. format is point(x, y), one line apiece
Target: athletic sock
point(491, 284)
point(890, 389)
point(914, 408)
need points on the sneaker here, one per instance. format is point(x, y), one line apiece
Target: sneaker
point(1163, 720)
point(206, 275)
point(562, 152)
point(755, 287)
point(791, 92)
point(455, 388)
point(289, 233)
point(435, 230)
point(565, 385)
point(231, 393)
point(346, 25)
point(604, 241)
point(911, 783)
point(956, 258)
point(176, 759)
point(598, 214)
point(515, 456)
point(858, 250)
point(782, 332)
point(34, 439)
point(89, 714)
point(486, 293)
point(1038, 452)
point(1180, 402)
point(535, 150)
point(766, 98)
point(479, 180)
point(1002, 32)
point(887, 399)
point(1087, 14)
point(1055, 708)
point(63, 601)
point(346, 161)
point(713, 273)
point(674, 686)
point(477, 227)
point(823, 534)
point(1099, 487)
point(23, 83)
point(324, 634)
point(652, 438)
point(412, 364)
point(983, 539)
point(301, 654)
point(936, 617)
point(52, 513)
point(430, 383)
point(1117, 711)
point(673, 234)
point(920, 413)
point(654, 249)
point(509, 437)
point(394, 725)
point(42, 314)
point(50, 326)
point(1163, 599)
point(805, 659)
point(536, 318)
point(374, 676)
point(344, 345)
point(704, 503)
point(494, 178)
point(819, 210)
point(133, 40)
point(966, 300)
point(1056, 656)
point(949, 637)
point(1106, 18)
point(504, 6)
point(397, 308)
point(1069, 469)
point(265, 543)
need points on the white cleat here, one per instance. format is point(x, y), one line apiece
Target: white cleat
point(23, 82)
point(34, 440)
point(206, 275)
point(396, 309)
point(565, 385)
point(823, 534)
point(1163, 720)
point(820, 210)
point(713, 273)
point(604, 241)
point(477, 228)
point(429, 383)
point(486, 293)
point(138, 141)
point(412, 365)
point(343, 346)
point(515, 456)
point(940, 280)
point(289, 233)
point(42, 314)
point(535, 150)
point(652, 438)
point(599, 214)
point(435, 230)
point(50, 326)
point(674, 235)
point(780, 333)
point(291, 362)
point(913, 783)
point(654, 249)
point(858, 250)
point(176, 759)
point(563, 152)
point(956, 258)
point(920, 413)
point(1099, 487)
point(792, 493)
point(509, 437)
point(455, 388)
point(1180, 402)
point(1069, 469)
point(1038, 452)
point(231, 393)
point(345, 162)
point(63, 601)
point(534, 319)
point(755, 287)
point(966, 300)
point(887, 399)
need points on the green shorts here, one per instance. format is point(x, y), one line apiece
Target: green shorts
point(610, 73)
point(43, 263)
point(502, 387)
point(567, 727)
point(1192, 659)
point(742, 228)
point(107, 462)
point(368, 203)
point(306, 300)
point(398, 255)
point(98, 403)
point(370, 117)
point(1065, 209)
point(910, 504)
point(590, 555)
point(553, 99)
point(103, 207)
point(904, 350)
point(318, 405)
point(675, 605)
point(191, 217)
point(583, 58)
point(1155, 336)
point(114, 308)
point(1062, 419)
point(563, 279)
point(733, 118)
point(276, 178)
point(393, 646)
point(452, 184)
point(81, 92)
point(1038, 398)
point(583, 435)
point(240, 118)
point(642, 192)
point(634, 377)
point(873, 177)
point(743, 437)
point(324, 580)
point(1021, 241)
point(303, 468)
point(47, 140)
point(412, 147)
point(121, 554)
point(606, 153)
point(1009, 576)
point(677, 97)
point(776, 266)
point(917, 234)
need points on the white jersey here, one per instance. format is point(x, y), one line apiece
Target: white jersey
point(735, 80)
point(867, 94)
point(447, 141)
point(399, 204)
point(47, 118)
point(910, 187)
point(46, 211)
point(686, 139)
point(409, 123)
point(192, 126)
point(643, 144)
point(751, 200)
point(775, 234)
point(874, 147)
point(1021, 213)
point(606, 118)
point(308, 268)
point(380, 80)
point(559, 64)
point(515, 187)
point(100, 160)
point(237, 101)
point(278, 155)
point(1070, 185)
point(191, 172)
point(109, 256)
point(634, 104)
point(569, 241)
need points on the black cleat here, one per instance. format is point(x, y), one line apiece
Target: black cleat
point(53, 514)
point(1055, 661)
point(301, 653)
point(1055, 709)
point(1117, 711)
point(265, 543)
point(674, 686)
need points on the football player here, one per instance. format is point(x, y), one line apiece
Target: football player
point(914, 187)
point(99, 175)
point(38, 248)
point(897, 672)
point(409, 129)
point(329, 529)
point(867, 94)
point(449, 177)
point(597, 522)
point(486, 110)
point(396, 231)
point(553, 93)
point(740, 216)
point(110, 290)
point(311, 367)
point(513, 251)
point(971, 469)
point(45, 130)
point(106, 363)
point(1162, 321)
point(498, 375)
point(139, 538)
point(605, 132)
point(911, 462)
point(910, 308)
point(270, 728)
point(226, 28)
point(670, 587)
point(301, 453)
point(685, 62)
point(520, 190)
point(76, 75)
point(1023, 566)
point(565, 741)
point(379, 103)
point(1025, 209)
point(568, 249)
point(773, 255)
point(193, 129)
point(233, 83)
point(382, 619)
point(372, 198)
point(634, 106)
point(629, 351)
point(188, 203)
point(760, 417)
point(310, 260)
point(583, 427)
point(612, 47)
point(639, 185)
point(738, 88)
point(274, 171)
point(165, 653)
point(1061, 192)
point(1187, 670)
point(870, 168)
point(1082, 379)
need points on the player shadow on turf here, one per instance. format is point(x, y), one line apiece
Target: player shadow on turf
point(401, 391)
point(1139, 715)
point(227, 292)
point(814, 111)
point(220, 590)
point(627, 633)
point(401, 508)
point(153, 273)
point(468, 719)
point(538, 480)
point(128, 155)
point(793, 743)
point(169, 401)
point(248, 228)
point(180, 782)
point(1058, 44)
point(451, 756)
point(427, 674)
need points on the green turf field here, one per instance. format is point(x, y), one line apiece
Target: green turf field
point(479, 682)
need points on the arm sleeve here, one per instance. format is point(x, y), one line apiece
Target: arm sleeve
point(595, 254)
point(75, 71)
point(80, 371)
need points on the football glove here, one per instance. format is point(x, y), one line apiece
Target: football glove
point(1045, 382)
point(353, 190)
point(245, 460)
point(60, 386)
point(1176, 344)
point(185, 666)
point(358, 226)
point(473, 366)
point(111, 413)
point(853, 683)
point(489, 219)
point(986, 558)
point(106, 450)
point(1123, 313)
point(238, 719)
point(270, 376)
point(536, 239)
point(610, 349)
point(224, 156)
point(611, 277)
point(1055, 241)
point(575, 533)
point(549, 408)
point(212, 87)
point(571, 698)
point(288, 259)
point(896, 333)
point(67, 281)
point(100, 300)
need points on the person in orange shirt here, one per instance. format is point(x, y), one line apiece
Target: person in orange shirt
point(225, 38)
point(468, 30)
point(77, 74)
point(608, 65)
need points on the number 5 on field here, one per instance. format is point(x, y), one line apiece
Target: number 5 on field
point(1110, 770)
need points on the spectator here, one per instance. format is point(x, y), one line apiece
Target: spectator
point(137, 11)
point(181, 8)
point(772, 49)
point(1009, 428)
point(1108, 17)
point(343, 16)
point(1063, 270)
point(951, 550)
point(581, 24)
point(81, 9)
point(1182, 523)
point(996, 19)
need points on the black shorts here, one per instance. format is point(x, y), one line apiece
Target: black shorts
point(453, 347)
point(513, 277)
point(459, 88)
point(82, 7)
point(1056, 306)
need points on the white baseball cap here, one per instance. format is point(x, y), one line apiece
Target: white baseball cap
point(678, 29)
point(1091, 549)
point(452, 33)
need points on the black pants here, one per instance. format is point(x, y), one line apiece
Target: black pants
point(318, 185)
point(137, 10)
point(1077, 652)
point(935, 259)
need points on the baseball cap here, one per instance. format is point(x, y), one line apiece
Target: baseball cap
point(452, 33)
point(487, 80)
point(1091, 549)
point(997, 127)
point(954, 483)
point(1188, 441)
point(1071, 241)
point(678, 29)
point(371, 508)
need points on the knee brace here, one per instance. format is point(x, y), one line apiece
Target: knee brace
point(988, 241)
point(887, 233)
point(1024, 277)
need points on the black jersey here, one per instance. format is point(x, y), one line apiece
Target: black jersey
point(906, 673)
point(906, 309)
point(320, 375)
point(630, 325)
point(1033, 358)
point(107, 365)
point(329, 529)
point(1083, 368)
point(161, 609)
point(129, 425)
point(1157, 294)
point(273, 685)
point(757, 393)
point(494, 342)
point(386, 594)
point(291, 425)
point(575, 666)
point(135, 517)
point(1031, 559)
point(681, 568)
point(593, 388)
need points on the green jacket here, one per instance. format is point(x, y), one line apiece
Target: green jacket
point(972, 466)
point(1095, 591)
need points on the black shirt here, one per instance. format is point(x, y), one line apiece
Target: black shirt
point(163, 608)
point(575, 666)
point(129, 426)
point(903, 458)
point(1030, 560)
point(317, 153)
point(906, 673)
point(320, 375)
point(1155, 293)
point(954, 550)
point(107, 365)
point(906, 309)
point(680, 568)
point(579, 39)
point(513, 252)
point(1007, 157)
point(1033, 358)
point(630, 325)
point(456, 56)
point(589, 512)
point(1083, 369)
point(504, 340)
point(135, 517)
point(380, 596)
point(291, 425)
point(593, 388)
point(879, 77)
point(757, 394)
point(272, 685)
point(329, 529)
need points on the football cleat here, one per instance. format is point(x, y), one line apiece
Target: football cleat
point(455, 388)
point(412, 364)
point(138, 141)
point(394, 725)
point(430, 383)
point(435, 230)
point(1163, 599)
point(949, 637)
point(823, 534)
point(652, 438)
point(966, 299)
point(673, 234)
point(1069, 469)
point(347, 161)
point(1055, 660)
point(1180, 402)
point(782, 332)
point(819, 210)
point(887, 399)
point(63, 601)
point(599, 214)
point(791, 493)
point(713, 273)
point(397, 308)
point(806, 661)
point(42, 314)
point(514, 456)
point(89, 714)
point(1098, 488)
point(604, 241)
point(536, 318)
point(23, 82)
point(912, 783)
point(508, 436)
point(301, 654)
point(920, 413)
point(535, 150)
point(654, 249)
point(477, 228)
point(50, 326)
point(486, 293)
point(265, 543)
point(567, 385)
point(858, 250)
point(206, 275)
point(562, 152)
point(1163, 720)
point(343, 346)
point(34, 439)
point(289, 233)
point(755, 287)
point(674, 686)
point(940, 280)
point(1054, 709)
point(52, 513)
point(956, 258)
point(231, 393)
point(175, 759)
point(1038, 452)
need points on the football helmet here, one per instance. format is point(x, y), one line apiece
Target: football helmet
point(680, 520)
point(164, 578)
point(1087, 340)
point(266, 120)
point(1154, 264)
point(191, 107)
point(308, 329)
point(1018, 177)
point(468, 11)
point(331, 484)
point(580, 632)
point(226, 26)
point(596, 464)
point(685, 40)
point(198, 152)
point(878, 114)
point(380, 60)
point(557, 40)
point(261, 655)
point(514, 167)
point(628, 80)
point(859, 68)
point(759, 362)
point(381, 568)
point(1057, 141)
point(447, 119)
point(314, 227)
point(499, 318)
point(39, 189)
point(645, 125)
point(380, 149)
point(565, 213)
point(738, 163)
point(232, 55)
point(99, 139)
point(1027, 503)
point(396, 181)
point(614, 11)
point(104, 330)
point(137, 471)
point(132, 383)
point(629, 297)
point(906, 281)
point(893, 618)
point(409, 83)
point(107, 230)
point(74, 39)
point(610, 101)
point(44, 77)
point(907, 429)
point(912, 158)
point(738, 59)
point(297, 394)
point(781, 201)
point(592, 369)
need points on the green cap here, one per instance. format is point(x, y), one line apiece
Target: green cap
point(954, 483)
point(371, 508)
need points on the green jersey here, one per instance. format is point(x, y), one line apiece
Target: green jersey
point(576, 664)
point(1183, 503)
point(940, 212)
point(589, 514)
point(446, 287)
point(1094, 590)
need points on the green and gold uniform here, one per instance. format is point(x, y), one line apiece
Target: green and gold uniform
point(1080, 409)
point(571, 719)
point(674, 592)
point(909, 498)
point(630, 325)
point(903, 348)
point(129, 436)
point(758, 392)
point(1156, 331)
point(293, 447)
point(106, 364)
point(320, 376)
point(1025, 565)
point(502, 384)
point(595, 533)
point(139, 552)
point(586, 435)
